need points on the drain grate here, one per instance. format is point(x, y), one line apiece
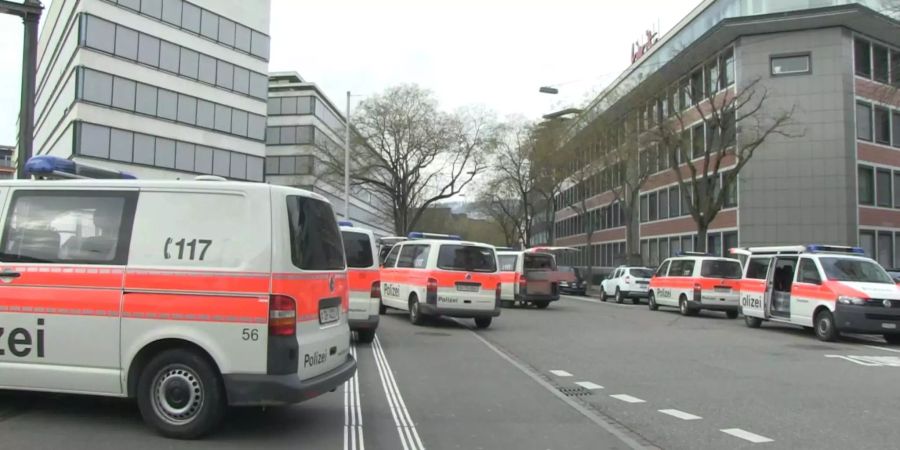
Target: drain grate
point(575, 391)
point(432, 333)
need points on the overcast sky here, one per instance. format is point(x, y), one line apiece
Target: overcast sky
point(496, 53)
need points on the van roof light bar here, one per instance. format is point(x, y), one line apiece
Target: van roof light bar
point(819, 248)
point(345, 223)
point(421, 235)
point(54, 167)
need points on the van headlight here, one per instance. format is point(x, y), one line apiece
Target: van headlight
point(847, 300)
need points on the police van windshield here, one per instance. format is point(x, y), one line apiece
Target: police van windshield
point(717, 268)
point(851, 269)
point(358, 249)
point(641, 273)
point(539, 262)
point(467, 258)
point(507, 263)
point(315, 239)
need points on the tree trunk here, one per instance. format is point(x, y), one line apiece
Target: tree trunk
point(632, 240)
point(702, 231)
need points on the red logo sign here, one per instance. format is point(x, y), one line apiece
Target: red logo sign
point(638, 50)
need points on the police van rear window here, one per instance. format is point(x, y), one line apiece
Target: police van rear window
point(315, 239)
point(507, 263)
point(358, 249)
point(716, 268)
point(539, 262)
point(467, 258)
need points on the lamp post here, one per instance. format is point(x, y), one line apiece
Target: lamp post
point(347, 162)
point(30, 12)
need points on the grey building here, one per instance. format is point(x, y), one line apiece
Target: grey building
point(836, 62)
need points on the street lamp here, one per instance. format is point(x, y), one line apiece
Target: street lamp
point(30, 12)
point(548, 90)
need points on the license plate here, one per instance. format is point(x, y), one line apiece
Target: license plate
point(329, 314)
point(889, 326)
point(722, 289)
point(468, 287)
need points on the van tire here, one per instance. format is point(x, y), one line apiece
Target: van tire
point(753, 322)
point(483, 322)
point(651, 302)
point(825, 327)
point(619, 298)
point(543, 304)
point(365, 336)
point(415, 315)
point(167, 375)
point(893, 339)
point(685, 308)
point(731, 314)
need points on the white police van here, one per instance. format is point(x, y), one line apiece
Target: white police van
point(186, 295)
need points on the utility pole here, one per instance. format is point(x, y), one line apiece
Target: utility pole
point(30, 12)
point(347, 162)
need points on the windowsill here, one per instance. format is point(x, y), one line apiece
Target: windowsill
point(878, 144)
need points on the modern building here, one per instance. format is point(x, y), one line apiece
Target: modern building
point(160, 88)
point(836, 62)
point(7, 166)
point(305, 147)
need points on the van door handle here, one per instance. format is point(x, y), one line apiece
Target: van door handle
point(10, 274)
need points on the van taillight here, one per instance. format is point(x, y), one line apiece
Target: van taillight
point(376, 290)
point(282, 316)
point(431, 291)
point(497, 293)
point(697, 290)
point(523, 285)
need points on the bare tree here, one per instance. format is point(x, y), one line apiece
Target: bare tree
point(412, 154)
point(498, 202)
point(702, 145)
point(512, 186)
point(551, 164)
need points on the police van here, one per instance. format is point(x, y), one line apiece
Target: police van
point(832, 289)
point(186, 295)
point(440, 275)
point(530, 277)
point(364, 280)
point(693, 281)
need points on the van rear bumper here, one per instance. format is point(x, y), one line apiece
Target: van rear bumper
point(263, 390)
point(431, 310)
point(369, 323)
point(537, 297)
point(868, 319)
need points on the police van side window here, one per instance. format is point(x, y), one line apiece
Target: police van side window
point(69, 227)
point(391, 258)
point(358, 249)
point(757, 268)
point(663, 269)
point(413, 256)
point(315, 238)
point(808, 272)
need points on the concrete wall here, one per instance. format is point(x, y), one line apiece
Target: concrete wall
point(801, 190)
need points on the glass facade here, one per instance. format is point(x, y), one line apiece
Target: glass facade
point(201, 22)
point(102, 35)
point(98, 141)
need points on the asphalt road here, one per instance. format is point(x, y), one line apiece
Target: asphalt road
point(580, 374)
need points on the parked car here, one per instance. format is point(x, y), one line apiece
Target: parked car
point(626, 282)
point(895, 274)
point(578, 286)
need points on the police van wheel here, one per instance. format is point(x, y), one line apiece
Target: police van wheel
point(619, 298)
point(365, 336)
point(825, 328)
point(731, 314)
point(684, 308)
point(753, 322)
point(651, 302)
point(415, 315)
point(542, 304)
point(180, 394)
point(482, 322)
point(893, 339)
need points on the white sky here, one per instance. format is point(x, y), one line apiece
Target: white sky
point(496, 53)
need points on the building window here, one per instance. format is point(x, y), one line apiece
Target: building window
point(895, 68)
point(862, 58)
point(697, 89)
point(123, 145)
point(867, 242)
point(714, 244)
point(664, 204)
point(713, 81)
point(652, 213)
point(731, 193)
point(880, 64)
point(684, 91)
point(886, 249)
point(866, 182)
point(863, 121)
point(292, 135)
point(896, 189)
point(896, 128)
point(644, 208)
point(791, 65)
point(883, 190)
point(727, 67)
point(697, 141)
point(882, 125)
point(729, 241)
point(674, 202)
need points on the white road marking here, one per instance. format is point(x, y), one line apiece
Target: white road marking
point(746, 435)
point(353, 425)
point(598, 302)
point(680, 414)
point(588, 385)
point(561, 373)
point(627, 398)
point(409, 437)
point(870, 361)
point(883, 348)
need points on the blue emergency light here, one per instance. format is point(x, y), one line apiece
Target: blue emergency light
point(421, 235)
point(345, 223)
point(46, 166)
point(819, 248)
